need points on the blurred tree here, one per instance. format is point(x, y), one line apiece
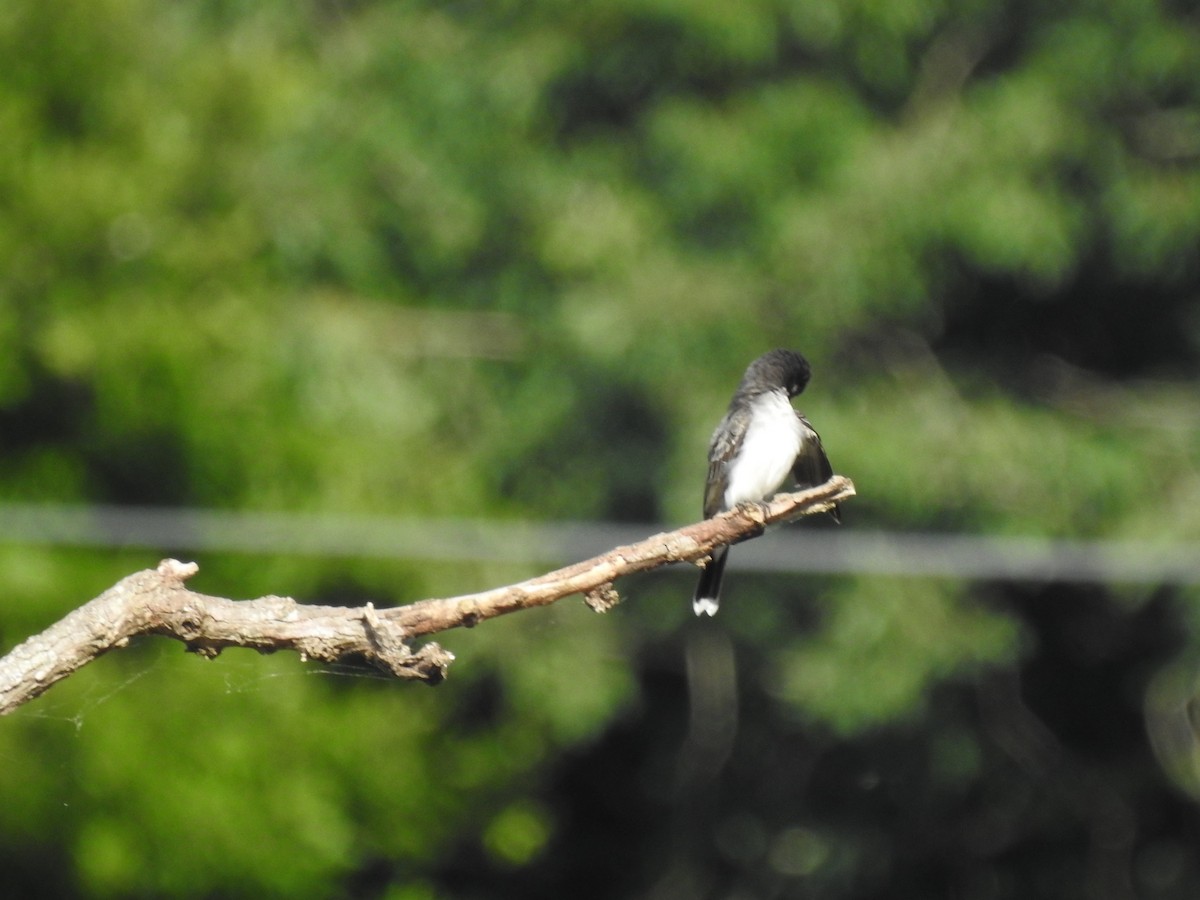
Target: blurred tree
point(507, 260)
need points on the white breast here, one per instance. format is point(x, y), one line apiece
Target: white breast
point(768, 451)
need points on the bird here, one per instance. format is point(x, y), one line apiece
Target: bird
point(760, 441)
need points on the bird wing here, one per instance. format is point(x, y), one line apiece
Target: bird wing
point(812, 465)
point(726, 442)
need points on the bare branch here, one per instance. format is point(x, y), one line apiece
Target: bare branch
point(155, 601)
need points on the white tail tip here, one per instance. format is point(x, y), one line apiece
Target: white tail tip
point(704, 606)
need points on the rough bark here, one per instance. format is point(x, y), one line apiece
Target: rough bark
point(156, 601)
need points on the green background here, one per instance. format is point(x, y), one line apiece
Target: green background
point(506, 262)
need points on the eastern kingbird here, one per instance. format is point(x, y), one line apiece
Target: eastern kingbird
point(760, 440)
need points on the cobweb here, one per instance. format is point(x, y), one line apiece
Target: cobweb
point(74, 700)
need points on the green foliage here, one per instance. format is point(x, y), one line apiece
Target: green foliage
point(506, 261)
point(882, 643)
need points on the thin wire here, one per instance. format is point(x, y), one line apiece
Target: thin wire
point(791, 550)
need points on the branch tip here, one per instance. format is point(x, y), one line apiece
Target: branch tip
point(175, 570)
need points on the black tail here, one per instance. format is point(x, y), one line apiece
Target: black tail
point(708, 592)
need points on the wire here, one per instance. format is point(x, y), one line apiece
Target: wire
point(792, 550)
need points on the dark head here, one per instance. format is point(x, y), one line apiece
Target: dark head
point(774, 370)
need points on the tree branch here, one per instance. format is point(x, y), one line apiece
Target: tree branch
point(155, 601)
